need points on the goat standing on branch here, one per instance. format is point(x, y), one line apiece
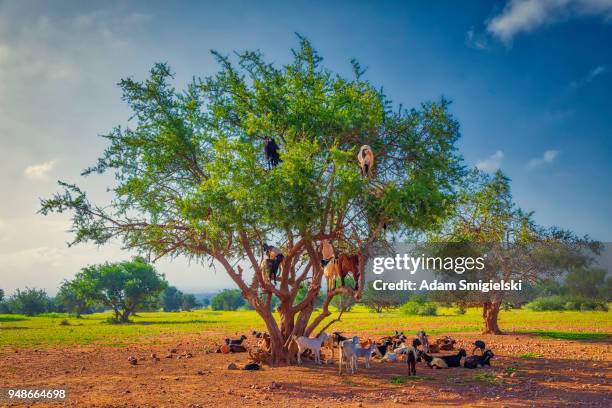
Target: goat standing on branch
point(271, 150)
point(271, 262)
point(366, 160)
point(349, 263)
point(327, 252)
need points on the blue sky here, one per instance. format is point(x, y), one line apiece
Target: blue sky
point(529, 82)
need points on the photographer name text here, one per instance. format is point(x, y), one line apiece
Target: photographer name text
point(464, 285)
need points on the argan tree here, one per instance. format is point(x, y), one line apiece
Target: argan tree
point(486, 222)
point(192, 180)
point(71, 301)
point(122, 286)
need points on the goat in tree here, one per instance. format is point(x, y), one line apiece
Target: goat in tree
point(271, 260)
point(271, 150)
point(366, 160)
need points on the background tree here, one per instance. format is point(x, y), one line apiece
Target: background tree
point(70, 300)
point(29, 302)
point(123, 286)
point(587, 282)
point(171, 299)
point(1, 295)
point(189, 302)
point(192, 180)
point(227, 299)
point(486, 221)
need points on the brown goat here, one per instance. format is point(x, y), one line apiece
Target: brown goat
point(349, 263)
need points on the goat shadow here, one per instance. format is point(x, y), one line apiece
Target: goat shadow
point(534, 383)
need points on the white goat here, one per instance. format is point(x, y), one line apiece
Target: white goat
point(366, 353)
point(347, 352)
point(390, 356)
point(306, 343)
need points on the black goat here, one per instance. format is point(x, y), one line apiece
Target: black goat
point(479, 361)
point(236, 342)
point(237, 348)
point(479, 344)
point(337, 338)
point(384, 347)
point(411, 359)
point(252, 367)
point(272, 258)
point(454, 361)
point(271, 150)
point(444, 361)
point(398, 339)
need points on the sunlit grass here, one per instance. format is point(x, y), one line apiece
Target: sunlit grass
point(23, 331)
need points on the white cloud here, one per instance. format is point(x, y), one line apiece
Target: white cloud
point(589, 77)
point(524, 16)
point(548, 157)
point(39, 171)
point(491, 163)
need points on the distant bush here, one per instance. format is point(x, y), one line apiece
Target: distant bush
point(547, 303)
point(566, 303)
point(29, 302)
point(460, 310)
point(227, 299)
point(419, 307)
point(586, 304)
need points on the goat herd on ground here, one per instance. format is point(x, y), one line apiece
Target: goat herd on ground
point(389, 349)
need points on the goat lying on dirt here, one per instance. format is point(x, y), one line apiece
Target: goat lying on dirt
point(264, 339)
point(446, 343)
point(396, 340)
point(348, 354)
point(236, 342)
point(391, 356)
point(444, 361)
point(479, 361)
point(479, 345)
point(384, 347)
point(306, 343)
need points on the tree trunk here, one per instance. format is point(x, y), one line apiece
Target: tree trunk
point(278, 349)
point(490, 312)
point(125, 316)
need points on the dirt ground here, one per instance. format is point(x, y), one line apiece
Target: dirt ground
point(564, 373)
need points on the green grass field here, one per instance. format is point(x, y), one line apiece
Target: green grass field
point(148, 328)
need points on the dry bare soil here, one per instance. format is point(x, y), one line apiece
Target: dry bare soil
point(527, 371)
